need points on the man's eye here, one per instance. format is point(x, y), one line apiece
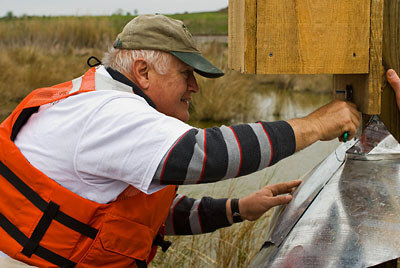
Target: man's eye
point(186, 73)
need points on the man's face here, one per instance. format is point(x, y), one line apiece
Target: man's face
point(171, 92)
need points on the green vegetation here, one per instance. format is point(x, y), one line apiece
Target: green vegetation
point(90, 31)
point(205, 23)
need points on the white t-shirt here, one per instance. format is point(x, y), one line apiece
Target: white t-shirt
point(97, 143)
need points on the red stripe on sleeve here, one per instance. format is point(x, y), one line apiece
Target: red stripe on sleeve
point(173, 214)
point(205, 157)
point(270, 143)
point(169, 153)
point(240, 150)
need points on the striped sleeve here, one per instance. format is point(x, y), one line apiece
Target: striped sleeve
point(188, 216)
point(213, 154)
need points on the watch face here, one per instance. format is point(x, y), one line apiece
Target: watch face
point(236, 214)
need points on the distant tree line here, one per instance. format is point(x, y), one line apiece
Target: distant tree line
point(119, 12)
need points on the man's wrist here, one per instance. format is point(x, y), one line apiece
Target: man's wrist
point(236, 217)
point(229, 213)
point(306, 131)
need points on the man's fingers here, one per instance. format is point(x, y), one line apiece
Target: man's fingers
point(352, 122)
point(254, 205)
point(280, 200)
point(353, 127)
point(352, 104)
point(294, 183)
point(283, 188)
point(393, 78)
point(394, 81)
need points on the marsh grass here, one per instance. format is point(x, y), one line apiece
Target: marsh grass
point(25, 68)
point(224, 99)
point(234, 246)
point(59, 32)
point(93, 31)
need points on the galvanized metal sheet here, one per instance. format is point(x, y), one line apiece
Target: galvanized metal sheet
point(353, 220)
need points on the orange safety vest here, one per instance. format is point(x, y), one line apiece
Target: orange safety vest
point(46, 225)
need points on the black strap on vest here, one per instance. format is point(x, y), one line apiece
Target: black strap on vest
point(50, 212)
point(30, 194)
point(41, 228)
point(21, 120)
point(141, 264)
point(159, 241)
point(41, 204)
point(40, 251)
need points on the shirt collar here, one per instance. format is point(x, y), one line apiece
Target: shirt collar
point(123, 79)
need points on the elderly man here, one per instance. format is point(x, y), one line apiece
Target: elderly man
point(89, 170)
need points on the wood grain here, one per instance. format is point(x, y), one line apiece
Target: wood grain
point(304, 37)
point(367, 87)
point(242, 27)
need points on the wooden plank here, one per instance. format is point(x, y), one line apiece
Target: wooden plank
point(367, 87)
point(376, 70)
point(242, 23)
point(250, 40)
point(391, 55)
point(325, 36)
point(235, 34)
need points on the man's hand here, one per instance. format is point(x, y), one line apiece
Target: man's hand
point(394, 81)
point(326, 123)
point(253, 206)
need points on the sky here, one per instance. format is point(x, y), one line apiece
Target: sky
point(106, 7)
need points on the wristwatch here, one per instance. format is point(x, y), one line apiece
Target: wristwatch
point(235, 210)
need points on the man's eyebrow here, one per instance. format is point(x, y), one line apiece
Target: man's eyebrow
point(188, 68)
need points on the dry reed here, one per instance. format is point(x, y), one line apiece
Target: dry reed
point(60, 33)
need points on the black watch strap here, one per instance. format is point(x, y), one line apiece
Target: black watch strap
point(235, 210)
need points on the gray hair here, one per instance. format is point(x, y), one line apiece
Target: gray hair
point(122, 59)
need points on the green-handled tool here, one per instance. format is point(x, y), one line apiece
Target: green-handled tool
point(348, 96)
point(345, 135)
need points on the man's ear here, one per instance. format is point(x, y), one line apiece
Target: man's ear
point(140, 71)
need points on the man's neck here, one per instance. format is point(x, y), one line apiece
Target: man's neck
point(125, 80)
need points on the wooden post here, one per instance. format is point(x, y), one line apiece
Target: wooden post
point(367, 87)
point(340, 37)
point(299, 37)
point(242, 27)
point(391, 56)
point(313, 37)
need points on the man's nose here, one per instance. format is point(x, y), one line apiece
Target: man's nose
point(192, 84)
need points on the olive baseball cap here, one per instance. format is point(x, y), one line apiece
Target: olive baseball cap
point(158, 32)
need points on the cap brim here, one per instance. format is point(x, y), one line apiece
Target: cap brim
point(200, 64)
